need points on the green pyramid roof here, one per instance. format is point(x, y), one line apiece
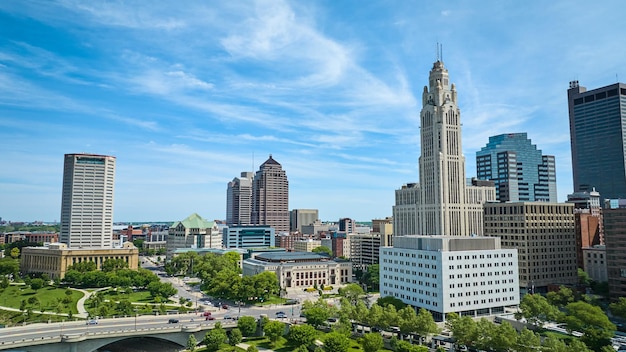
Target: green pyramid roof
point(194, 221)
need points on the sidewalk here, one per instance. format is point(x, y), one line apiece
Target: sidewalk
point(245, 347)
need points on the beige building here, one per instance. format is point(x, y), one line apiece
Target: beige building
point(193, 232)
point(57, 257)
point(595, 262)
point(544, 236)
point(384, 227)
point(296, 269)
point(306, 245)
point(87, 201)
point(443, 203)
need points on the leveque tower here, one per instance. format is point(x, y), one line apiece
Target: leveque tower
point(443, 202)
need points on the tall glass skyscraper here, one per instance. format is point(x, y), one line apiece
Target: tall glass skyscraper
point(597, 120)
point(87, 201)
point(519, 170)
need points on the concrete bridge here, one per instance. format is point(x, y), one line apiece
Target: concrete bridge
point(89, 341)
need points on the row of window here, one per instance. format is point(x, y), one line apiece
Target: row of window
point(483, 301)
point(481, 256)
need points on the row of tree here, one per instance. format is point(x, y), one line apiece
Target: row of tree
point(221, 277)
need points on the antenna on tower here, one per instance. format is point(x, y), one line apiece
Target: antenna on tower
point(437, 51)
point(441, 51)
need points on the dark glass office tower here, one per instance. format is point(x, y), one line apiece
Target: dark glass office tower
point(597, 120)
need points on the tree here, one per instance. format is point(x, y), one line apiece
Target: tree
point(15, 253)
point(302, 335)
point(371, 277)
point(316, 313)
point(464, 329)
point(527, 341)
point(619, 308)
point(336, 342)
point(252, 348)
point(562, 297)
point(323, 250)
point(387, 300)
point(404, 346)
point(407, 321)
point(372, 342)
point(235, 337)
point(214, 338)
point(536, 309)
point(425, 323)
point(114, 264)
point(583, 278)
point(352, 292)
point(192, 343)
point(161, 289)
point(503, 337)
point(36, 284)
point(247, 325)
point(375, 316)
point(591, 321)
point(273, 330)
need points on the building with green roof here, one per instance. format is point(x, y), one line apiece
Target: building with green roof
point(193, 232)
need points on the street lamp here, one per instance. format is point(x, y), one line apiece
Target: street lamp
point(135, 319)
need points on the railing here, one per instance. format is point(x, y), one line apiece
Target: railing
point(100, 334)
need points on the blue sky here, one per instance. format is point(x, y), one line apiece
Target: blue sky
point(189, 94)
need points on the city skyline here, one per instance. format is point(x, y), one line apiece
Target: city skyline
point(186, 98)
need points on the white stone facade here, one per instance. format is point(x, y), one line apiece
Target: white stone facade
point(466, 275)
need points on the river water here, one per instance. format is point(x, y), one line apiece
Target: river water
point(141, 344)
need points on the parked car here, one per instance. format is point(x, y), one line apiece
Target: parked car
point(280, 313)
point(281, 316)
point(92, 322)
point(172, 321)
point(224, 306)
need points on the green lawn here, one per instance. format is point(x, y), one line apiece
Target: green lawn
point(48, 298)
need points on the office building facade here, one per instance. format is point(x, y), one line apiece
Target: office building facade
point(239, 200)
point(472, 276)
point(442, 203)
point(544, 236)
point(193, 232)
point(87, 201)
point(302, 217)
point(248, 236)
point(614, 216)
point(270, 196)
point(519, 170)
point(598, 142)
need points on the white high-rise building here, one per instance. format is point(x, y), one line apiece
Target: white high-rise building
point(87, 201)
point(442, 203)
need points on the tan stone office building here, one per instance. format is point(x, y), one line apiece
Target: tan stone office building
point(544, 236)
point(57, 257)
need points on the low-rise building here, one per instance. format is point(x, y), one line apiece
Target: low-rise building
point(595, 263)
point(300, 269)
point(256, 236)
point(471, 276)
point(55, 259)
point(193, 232)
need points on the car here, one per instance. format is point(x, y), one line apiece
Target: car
point(332, 320)
point(281, 316)
point(92, 322)
point(302, 315)
point(206, 314)
point(224, 306)
point(209, 317)
point(227, 317)
point(172, 321)
point(280, 313)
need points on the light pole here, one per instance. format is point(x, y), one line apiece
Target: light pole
point(135, 319)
